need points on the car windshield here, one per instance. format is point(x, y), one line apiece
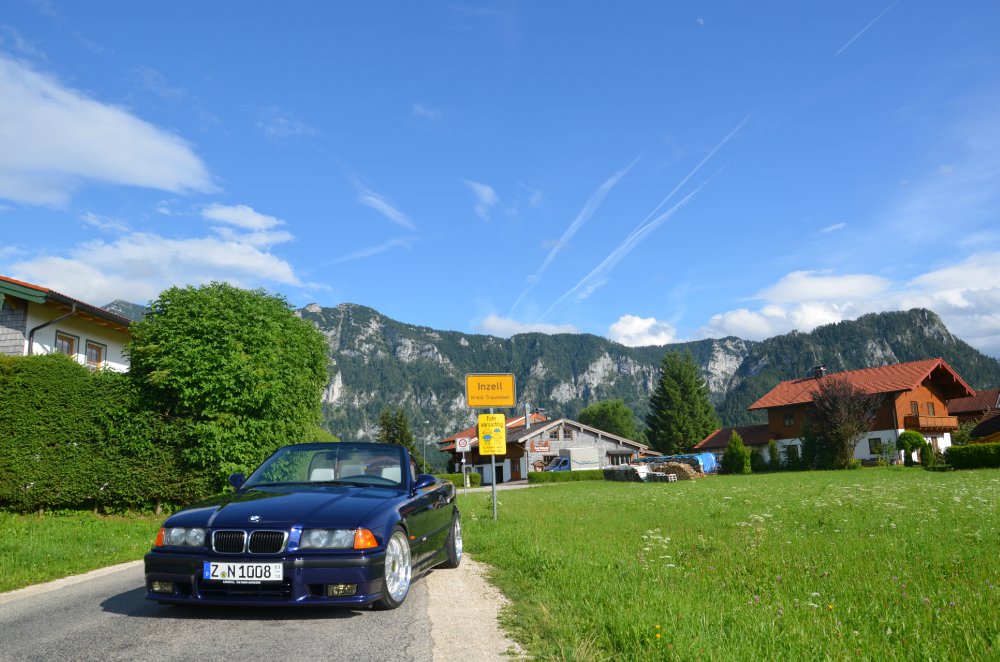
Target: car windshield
point(332, 464)
point(554, 461)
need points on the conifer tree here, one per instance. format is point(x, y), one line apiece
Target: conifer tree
point(680, 413)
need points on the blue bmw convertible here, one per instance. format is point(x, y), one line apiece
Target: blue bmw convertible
point(345, 524)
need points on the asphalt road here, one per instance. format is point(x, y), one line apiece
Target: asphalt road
point(107, 618)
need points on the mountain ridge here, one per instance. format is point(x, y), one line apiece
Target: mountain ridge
point(380, 362)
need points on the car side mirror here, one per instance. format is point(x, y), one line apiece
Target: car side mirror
point(237, 480)
point(424, 480)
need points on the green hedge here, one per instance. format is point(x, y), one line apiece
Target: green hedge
point(565, 476)
point(75, 439)
point(475, 480)
point(973, 456)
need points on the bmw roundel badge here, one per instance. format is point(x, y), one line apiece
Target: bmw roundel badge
point(255, 518)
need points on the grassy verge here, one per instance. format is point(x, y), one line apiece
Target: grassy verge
point(871, 564)
point(35, 550)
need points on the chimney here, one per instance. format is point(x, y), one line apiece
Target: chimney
point(818, 371)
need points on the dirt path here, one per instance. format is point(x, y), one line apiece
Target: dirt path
point(464, 610)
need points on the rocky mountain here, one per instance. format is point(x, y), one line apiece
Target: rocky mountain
point(381, 363)
point(132, 311)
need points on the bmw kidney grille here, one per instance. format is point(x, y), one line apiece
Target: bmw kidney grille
point(260, 542)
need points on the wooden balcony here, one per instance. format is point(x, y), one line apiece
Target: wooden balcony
point(931, 423)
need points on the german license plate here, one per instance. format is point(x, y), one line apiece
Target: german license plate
point(242, 573)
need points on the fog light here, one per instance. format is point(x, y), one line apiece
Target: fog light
point(162, 587)
point(337, 590)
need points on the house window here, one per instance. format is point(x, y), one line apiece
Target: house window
point(95, 355)
point(792, 452)
point(874, 446)
point(554, 434)
point(914, 408)
point(569, 434)
point(930, 408)
point(789, 420)
point(66, 344)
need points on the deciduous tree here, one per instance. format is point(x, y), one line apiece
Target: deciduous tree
point(840, 415)
point(234, 370)
point(612, 416)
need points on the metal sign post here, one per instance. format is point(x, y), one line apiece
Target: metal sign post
point(491, 390)
point(493, 440)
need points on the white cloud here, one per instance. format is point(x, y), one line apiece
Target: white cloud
point(966, 296)
point(506, 327)
point(833, 228)
point(383, 206)
point(486, 198)
point(820, 286)
point(241, 216)
point(56, 139)
point(278, 125)
point(137, 267)
point(420, 110)
point(375, 250)
point(104, 223)
point(634, 331)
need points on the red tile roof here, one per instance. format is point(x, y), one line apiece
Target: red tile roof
point(885, 379)
point(83, 307)
point(982, 401)
point(752, 435)
point(23, 284)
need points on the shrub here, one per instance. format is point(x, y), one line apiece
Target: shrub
point(973, 456)
point(623, 473)
point(774, 463)
point(475, 480)
point(757, 462)
point(910, 442)
point(736, 459)
point(565, 476)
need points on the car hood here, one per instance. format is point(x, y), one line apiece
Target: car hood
point(327, 507)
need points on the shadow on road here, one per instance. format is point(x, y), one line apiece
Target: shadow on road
point(133, 603)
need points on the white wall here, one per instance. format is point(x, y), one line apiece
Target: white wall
point(45, 338)
point(861, 449)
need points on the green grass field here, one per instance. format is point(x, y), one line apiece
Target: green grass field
point(876, 564)
point(35, 550)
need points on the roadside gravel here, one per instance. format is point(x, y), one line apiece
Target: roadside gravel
point(464, 610)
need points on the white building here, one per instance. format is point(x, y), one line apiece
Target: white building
point(37, 320)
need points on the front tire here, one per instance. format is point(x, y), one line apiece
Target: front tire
point(398, 571)
point(453, 545)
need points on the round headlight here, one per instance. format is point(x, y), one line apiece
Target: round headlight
point(195, 537)
point(175, 536)
point(317, 538)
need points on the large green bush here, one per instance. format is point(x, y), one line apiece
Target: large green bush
point(973, 456)
point(235, 370)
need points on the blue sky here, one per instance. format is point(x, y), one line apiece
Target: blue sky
point(650, 172)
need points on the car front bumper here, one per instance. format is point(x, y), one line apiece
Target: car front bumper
point(178, 578)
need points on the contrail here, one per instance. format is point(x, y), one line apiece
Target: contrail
point(698, 167)
point(645, 227)
point(865, 29)
point(588, 210)
point(623, 249)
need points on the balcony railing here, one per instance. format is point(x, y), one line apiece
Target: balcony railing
point(936, 423)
